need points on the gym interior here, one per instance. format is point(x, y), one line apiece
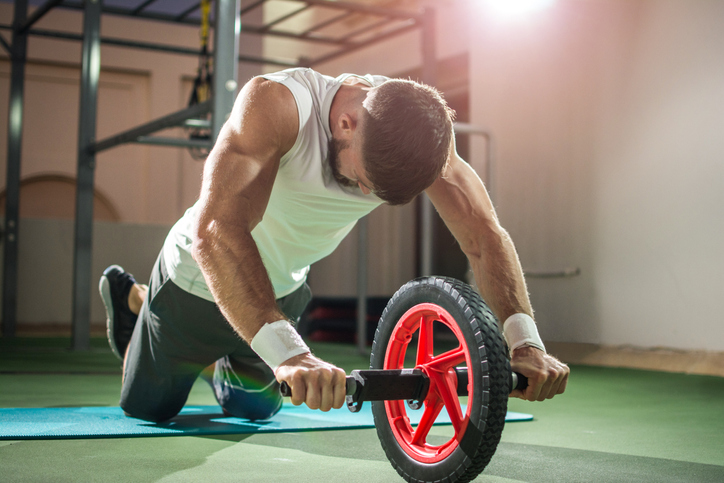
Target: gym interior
point(595, 125)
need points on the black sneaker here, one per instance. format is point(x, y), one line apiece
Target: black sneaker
point(115, 285)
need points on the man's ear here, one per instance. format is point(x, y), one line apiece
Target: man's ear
point(347, 124)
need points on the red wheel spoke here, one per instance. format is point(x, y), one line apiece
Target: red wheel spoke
point(425, 341)
point(432, 409)
point(446, 388)
point(452, 404)
point(449, 359)
point(400, 421)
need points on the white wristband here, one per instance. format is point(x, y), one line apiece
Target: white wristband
point(520, 331)
point(278, 342)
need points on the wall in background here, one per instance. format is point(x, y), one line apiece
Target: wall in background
point(607, 116)
point(45, 255)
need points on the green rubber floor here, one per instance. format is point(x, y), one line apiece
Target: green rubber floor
point(612, 425)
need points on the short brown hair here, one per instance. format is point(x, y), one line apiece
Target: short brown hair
point(406, 138)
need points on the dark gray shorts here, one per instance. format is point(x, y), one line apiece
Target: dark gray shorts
point(178, 335)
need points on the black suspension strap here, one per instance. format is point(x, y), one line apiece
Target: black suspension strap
point(201, 91)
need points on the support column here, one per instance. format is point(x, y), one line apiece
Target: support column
point(82, 272)
point(12, 200)
point(429, 77)
point(362, 286)
point(226, 57)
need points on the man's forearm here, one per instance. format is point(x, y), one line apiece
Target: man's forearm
point(237, 278)
point(499, 276)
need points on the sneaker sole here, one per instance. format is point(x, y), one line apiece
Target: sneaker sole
point(104, 287)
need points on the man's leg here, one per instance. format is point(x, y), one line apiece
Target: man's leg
point(175, 336)
point(243, 384)
point(136, 296)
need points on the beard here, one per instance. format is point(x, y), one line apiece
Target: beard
point(336, 146)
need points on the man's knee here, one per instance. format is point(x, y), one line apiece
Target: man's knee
point(155, 399)
point(254, 405)
point(154, 413)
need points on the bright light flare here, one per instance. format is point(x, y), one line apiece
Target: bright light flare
point(516, 8)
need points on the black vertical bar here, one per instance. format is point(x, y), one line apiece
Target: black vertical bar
point(362, 275)
point(12, 200)
point(429, 67)
point(226, 55)
point(90, 71)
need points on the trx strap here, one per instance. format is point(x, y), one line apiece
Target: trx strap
point(202, 84)
point(201, 90)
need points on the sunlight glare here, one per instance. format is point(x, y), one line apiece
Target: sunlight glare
point(514, 8)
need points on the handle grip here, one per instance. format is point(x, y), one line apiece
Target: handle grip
point(518, 381)
point(285, 389)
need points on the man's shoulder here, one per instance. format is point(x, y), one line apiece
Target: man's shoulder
point(261, 86)
point(301, 83)
point(273, 96)
point(265, 113)
point(300, 77)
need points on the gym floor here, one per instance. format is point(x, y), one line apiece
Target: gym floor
point(611, 425)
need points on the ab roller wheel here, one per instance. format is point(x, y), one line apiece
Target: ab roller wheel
point(404, 338)
point(437, 351)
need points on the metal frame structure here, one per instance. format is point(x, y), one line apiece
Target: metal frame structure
point(380, 24)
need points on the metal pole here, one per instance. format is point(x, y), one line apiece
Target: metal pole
point(174, 142)
point(226, 54)
point(39, 13)
point(362, 286)
point(12, 201)
point(170, 120)
point(150, 46)
point(6, 46)
point(360, 8)
point(90, 71)
point(349, 47)
point(465, 128)
point(429, 67)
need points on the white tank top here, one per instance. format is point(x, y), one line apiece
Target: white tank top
point(308, 213)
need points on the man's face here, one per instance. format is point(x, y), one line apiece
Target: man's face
point(345, 160)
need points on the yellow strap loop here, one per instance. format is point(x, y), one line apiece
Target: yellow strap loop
point(205, 13)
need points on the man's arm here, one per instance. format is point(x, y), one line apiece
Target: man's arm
point(464, 205)
point(237, 183)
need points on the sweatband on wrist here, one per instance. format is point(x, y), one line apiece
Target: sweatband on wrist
point(520, 331)
point(277, 342)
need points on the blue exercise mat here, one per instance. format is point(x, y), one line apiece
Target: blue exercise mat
point(110, 422)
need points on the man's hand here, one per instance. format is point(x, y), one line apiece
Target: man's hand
point(317, 383)
point(547, 376)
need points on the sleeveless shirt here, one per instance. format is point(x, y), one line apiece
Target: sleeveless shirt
point(308, 213)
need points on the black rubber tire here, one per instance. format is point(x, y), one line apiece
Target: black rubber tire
point(491, 380)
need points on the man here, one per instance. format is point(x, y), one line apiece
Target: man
point(302, 157)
